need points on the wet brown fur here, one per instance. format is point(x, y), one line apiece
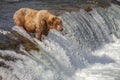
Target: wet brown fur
point(38, 22)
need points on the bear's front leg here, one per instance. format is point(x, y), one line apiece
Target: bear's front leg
point(38, 33)
point(39, 29)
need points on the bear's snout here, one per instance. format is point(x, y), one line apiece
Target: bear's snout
point(61, 29)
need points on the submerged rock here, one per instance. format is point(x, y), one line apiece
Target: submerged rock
point(13, 40)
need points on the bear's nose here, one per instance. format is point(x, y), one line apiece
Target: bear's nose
point(61, 29)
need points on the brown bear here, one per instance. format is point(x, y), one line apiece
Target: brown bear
point(38, 22)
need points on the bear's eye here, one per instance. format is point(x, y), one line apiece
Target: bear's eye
point(50, 23)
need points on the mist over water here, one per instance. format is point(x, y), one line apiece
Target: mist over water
point(87, 49)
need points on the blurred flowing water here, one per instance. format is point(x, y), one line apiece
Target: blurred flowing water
point(87, 49)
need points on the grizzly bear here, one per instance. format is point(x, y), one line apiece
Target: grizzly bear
point(38, 22)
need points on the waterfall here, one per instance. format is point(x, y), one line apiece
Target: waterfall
point(94, 28)
point(87, 49)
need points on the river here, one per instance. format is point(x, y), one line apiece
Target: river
point(87, 49)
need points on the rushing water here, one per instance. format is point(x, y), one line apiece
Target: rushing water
point(87, 49)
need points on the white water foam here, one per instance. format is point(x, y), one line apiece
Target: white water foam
point(100, 71)
point(53, 62)
point(4, 32)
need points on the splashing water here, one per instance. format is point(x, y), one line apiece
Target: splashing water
point(87, 49)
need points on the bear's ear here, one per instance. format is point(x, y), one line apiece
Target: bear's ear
point(51, 20)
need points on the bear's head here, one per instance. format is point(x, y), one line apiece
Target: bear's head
point(54, 23)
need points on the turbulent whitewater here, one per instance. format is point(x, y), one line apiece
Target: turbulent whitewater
point(87, 49)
